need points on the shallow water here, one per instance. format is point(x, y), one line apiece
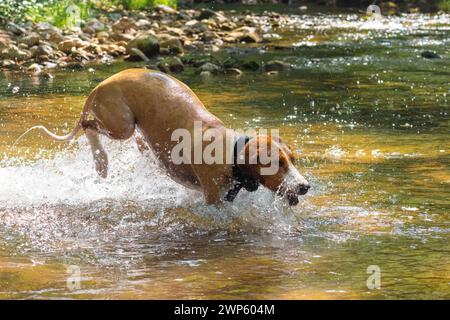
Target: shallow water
point(368, 119)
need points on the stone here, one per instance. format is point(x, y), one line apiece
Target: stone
point(146, 42)
point(211, 14)
point(93, 26)
point(276, 65)
point(35, 68)
point(9, 64)
point(14, 28)
point(172, 64)
point(166, 9)
point(75, 65)
point(14, 53)
point(124, 24)
point(427, 54)
point(43, 50)
point(205, 74)
point(67, 45)
point(194, 26)
point(170, 45)
point(233, 71)
point(250, 65)
point(209, 67)
point(143, 24)
point(30, 40)
point(243, 34)
point(52, 34)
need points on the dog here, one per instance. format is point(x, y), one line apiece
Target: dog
point(156, 104)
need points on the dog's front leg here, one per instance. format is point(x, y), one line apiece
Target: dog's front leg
point(211, 181)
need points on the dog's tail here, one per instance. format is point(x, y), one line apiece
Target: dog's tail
point(68, 136)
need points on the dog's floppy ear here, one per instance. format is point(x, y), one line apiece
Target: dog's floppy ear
point(286, 148)
point(289, 152)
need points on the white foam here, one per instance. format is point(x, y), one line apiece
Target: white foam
point(69, 178)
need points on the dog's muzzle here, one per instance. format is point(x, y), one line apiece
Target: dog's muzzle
point(291, 193)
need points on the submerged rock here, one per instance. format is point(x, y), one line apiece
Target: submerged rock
point(172, 64)
point(277, 65)
point(427, 54)
point(208, 67)
point(233, 71)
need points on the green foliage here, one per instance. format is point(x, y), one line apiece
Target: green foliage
point(61, 13)
point(144, 4)
point(444, 5)
point(64, 13)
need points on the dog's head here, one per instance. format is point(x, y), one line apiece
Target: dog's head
point(269, 162)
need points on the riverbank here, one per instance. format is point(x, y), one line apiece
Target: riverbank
point(165, 38)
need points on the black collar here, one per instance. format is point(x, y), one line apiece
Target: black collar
point(240, 179)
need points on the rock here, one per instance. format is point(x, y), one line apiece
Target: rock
point(206, 14)
point(208, 67)
point(52, 34)
point(124, 24)
point(177, 32)
point(5, 40)
point(233, 71)
point(183, 16)
point(30, 40)
point(172, 64)
point(93, 26)
point(194, 26)
point(303, 8)
point(80, 55)
point(43, 26)
point(210, 14)
point(243, 34)
point(146, 42)
point(67, 45)
point(35, 68)
point(250, 65)
point(118, 36)
point(143, 24)
point(14, 53)
point(166, 9)
point(231, 62)
point(205, 74)
point(276, 65)
point(272, 73)
point(102, 36)
point(43, 50)
point(170, 45)
point(14, 28)
point(209, 36)
point(9, 64)
point(75, 65)
point(199, 61)
point(427, 54)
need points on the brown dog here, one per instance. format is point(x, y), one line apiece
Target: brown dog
point(157, 104)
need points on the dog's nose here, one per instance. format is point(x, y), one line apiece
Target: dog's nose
point(303, 188)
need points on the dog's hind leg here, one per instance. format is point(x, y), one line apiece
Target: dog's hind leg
point(113, 118)
point(99, 154)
